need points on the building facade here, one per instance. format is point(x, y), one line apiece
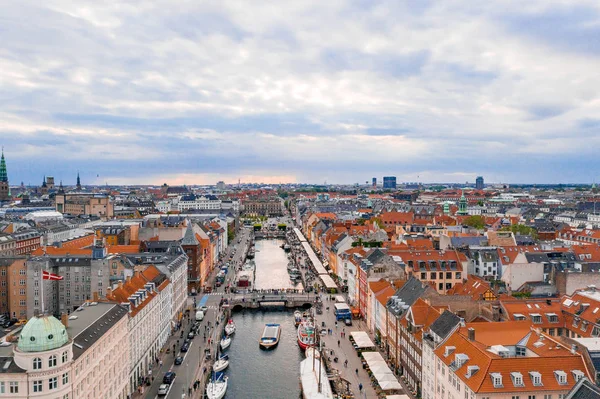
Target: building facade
point(389, 182)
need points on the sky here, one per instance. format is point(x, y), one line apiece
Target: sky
point(192, 92)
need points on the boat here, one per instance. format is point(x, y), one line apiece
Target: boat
point(313, 377)
point(221, 364)
point(230, 327)
point(306, 334)
point(225, 342)
point(217, 387)
point(297, 318)
point(270, 336)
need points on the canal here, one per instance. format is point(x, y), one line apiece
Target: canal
point(271, 266)
point(254, 372)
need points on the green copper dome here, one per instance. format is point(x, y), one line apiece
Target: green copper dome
point(41, 334)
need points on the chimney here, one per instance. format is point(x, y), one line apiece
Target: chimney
point(573, 349)
point(471, 334)
point(64, 319)
point(120, 284)
point(108, 292)
point(95, 294)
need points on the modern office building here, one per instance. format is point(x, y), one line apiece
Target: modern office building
point(389, 182)
point(374, 182)
point(479, 183)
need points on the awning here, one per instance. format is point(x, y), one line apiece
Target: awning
point(384, 376)
point(362, 340)
point(327, 281)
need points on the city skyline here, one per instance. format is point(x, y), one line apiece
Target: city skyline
point(282, 93)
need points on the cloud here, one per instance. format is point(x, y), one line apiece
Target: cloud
point(301, 91)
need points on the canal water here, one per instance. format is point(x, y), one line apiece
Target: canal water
point(271, 266)
point(258, 373)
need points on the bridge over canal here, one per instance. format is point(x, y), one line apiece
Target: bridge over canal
point(258, 300)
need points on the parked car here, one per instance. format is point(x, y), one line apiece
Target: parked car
point(185, 347)
point(169, 377)
point(191, 335)
point(163, 389)
point(348, 322)
point(178, 360)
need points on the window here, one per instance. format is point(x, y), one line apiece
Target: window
point(52, 361)
point(65, 378)
point(536, 318)
point(22, 302)
point(22, 291)
point(13, 387)
point(577, 374)
point(22, 272)
point(497, 380)
point(53, 383)
point(2, 388)
point(423, 276)
point(561, 377)
point(517, 379)
point(536, 378)
point(521, 351)
point(21, 282)
point(37, 386)
point(433, 275)
point(37, 363)
point(65, 356)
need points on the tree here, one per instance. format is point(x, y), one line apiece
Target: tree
point(522, 230)
point(475, 221)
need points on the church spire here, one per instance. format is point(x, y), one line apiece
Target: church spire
point(3, 174)
point(78, 181)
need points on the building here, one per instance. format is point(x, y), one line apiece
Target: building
point(85, 204)
point(4, 188)
point(269, 206)
point(13, 287)
point(148, 299)
point(27, 241)
point(505, 360)
point(84, 357)
point(479, 183)
point(374, 182)
point(389, 182)
point(438, 332)
point(221, 185)
point(192, 248)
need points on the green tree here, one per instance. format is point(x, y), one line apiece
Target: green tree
point(475, 221)
point(522, 230)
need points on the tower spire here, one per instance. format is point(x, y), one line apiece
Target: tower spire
point(78, 181)
point(3, 174)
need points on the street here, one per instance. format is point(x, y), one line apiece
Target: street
point(191, 368)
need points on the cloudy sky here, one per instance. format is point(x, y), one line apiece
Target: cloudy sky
point(300, 91)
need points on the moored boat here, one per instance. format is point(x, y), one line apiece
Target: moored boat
point(225, 342)
point(306, 334)
point(221, 364)
point(270, 336)
point(297, 318)
point(230, 327)
point(217, 387)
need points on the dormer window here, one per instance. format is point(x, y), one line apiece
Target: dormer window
point(497, 380)
point(521, 350)
point(577, 374)
point(448, 350)
point(460, 359)
point(471, 371)
point(561, 377)
point(536, 378)
point(517, 379)
point(536, 318)
point(519, 316)
point(584, 326)
point(552, 317)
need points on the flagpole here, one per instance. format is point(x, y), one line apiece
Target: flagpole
point(42, 289)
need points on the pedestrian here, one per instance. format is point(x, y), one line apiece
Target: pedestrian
point(346, 363)
point(360, 386)
point(357, 372)
point(338, 342)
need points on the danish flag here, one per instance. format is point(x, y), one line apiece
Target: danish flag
point(49, 276)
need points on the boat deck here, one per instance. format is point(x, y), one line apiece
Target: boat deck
point(271, 331)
